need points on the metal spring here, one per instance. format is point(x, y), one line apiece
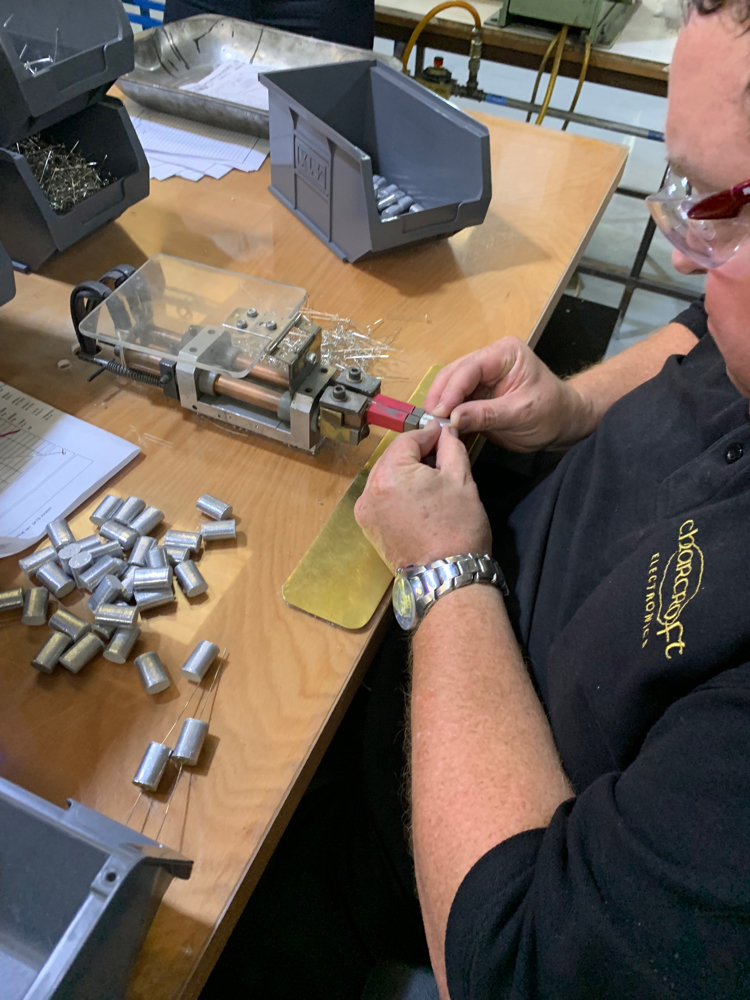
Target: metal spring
point(132, 373)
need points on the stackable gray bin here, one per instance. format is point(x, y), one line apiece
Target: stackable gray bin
point(91, 42)
point(92, 45)
point(332, 127)
point(7, 282)
point(29, 228)
point(78, 893)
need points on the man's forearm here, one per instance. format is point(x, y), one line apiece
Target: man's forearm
point(605, 383)
point(483, 761)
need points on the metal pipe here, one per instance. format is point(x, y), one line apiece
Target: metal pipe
point(573, 116)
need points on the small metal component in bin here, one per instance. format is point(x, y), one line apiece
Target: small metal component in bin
point(334, 128)
point(78, 894)
point(57, 61)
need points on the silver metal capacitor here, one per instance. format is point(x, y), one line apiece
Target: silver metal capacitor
point(49, 655)
point(11, 600)
point(109, 564)
point(106, 510)
point(416, 207)
point(148, 578)
point(188, 747)
point(109, 548)
point(184, 539)
point(66, 553)
point(107, 591)
point(152, 673)
point(157, 558)
point(54, 579)
point(152, 767)
point(82, 652)
point(127, 582)
point(196, 665)
point(121, 644)
point(30, 564)
point(214, 531)
point(140, 551)
point(79, 564)
point(386, 201)
point(123, 534)
point(35, 606)
point(176, 554)
point(147, 520)
point(147, 599)
point(130, 509)
point(121, 615)
point(73, 626)
point(59, 533)
point(213, 507)
point(89, 542)
point(104, 631)
point(190, 579)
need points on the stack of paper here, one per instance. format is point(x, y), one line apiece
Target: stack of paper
point(176, 147)
point(49, 464)
point(235, 81)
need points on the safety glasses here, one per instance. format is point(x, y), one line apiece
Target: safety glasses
point(709, 228)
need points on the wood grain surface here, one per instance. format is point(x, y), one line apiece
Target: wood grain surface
point(288, 677)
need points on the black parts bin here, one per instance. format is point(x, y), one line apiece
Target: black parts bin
point(7, 282)
point(332, 127)
point(78, 893)
point(56, 58)
point(30, 230)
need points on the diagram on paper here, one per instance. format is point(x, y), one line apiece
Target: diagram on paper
point(49, 463)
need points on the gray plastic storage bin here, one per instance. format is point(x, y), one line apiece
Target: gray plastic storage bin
point(29, 229)
point(333, 127)
point(78, 893)
point(7, 281)
point(91, 43)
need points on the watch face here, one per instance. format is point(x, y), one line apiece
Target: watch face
point(404, 605)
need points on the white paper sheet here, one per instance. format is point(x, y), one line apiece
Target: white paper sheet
point(182, 148)
point(236, 81)
point(49, 463)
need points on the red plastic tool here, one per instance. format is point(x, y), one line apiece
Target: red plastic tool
point(389, 413)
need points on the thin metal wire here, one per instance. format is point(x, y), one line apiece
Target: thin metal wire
point(169, 803)
point(130, 814)
point(70, 179)
point(148, 813)
point(219, 667)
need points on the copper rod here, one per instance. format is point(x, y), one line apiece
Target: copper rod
point(246, 392)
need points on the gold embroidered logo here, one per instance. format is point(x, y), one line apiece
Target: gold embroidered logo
point(653, 577)
point(679, 584)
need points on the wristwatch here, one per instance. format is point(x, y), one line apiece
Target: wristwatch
point(416, 588)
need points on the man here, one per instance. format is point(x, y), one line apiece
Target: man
point(580, 777)
point(581, 820)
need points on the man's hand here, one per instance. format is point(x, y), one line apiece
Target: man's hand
point(505, 392)
point(414, 514)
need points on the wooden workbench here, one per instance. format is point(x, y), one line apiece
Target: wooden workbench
point(289, 677)
point(639, 60)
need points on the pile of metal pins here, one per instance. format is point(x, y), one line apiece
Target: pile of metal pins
point(344, 344)
point(391, 200)
point(125, 571)
point(64, 176)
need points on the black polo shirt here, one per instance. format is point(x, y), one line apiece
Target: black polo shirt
point(634, 590)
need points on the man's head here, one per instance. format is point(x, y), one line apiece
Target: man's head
point(708, 140)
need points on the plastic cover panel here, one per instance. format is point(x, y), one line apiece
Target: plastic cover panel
point(169, 302)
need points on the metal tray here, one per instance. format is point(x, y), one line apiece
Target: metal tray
point(187, 51)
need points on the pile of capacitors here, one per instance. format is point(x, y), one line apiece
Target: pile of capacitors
point(125, 571)
point(392, 201)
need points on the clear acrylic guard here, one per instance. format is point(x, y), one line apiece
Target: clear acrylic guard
point(157, 311)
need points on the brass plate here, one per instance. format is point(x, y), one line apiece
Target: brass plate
point(341, 578)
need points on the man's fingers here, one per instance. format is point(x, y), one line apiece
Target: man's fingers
point(452, 456)
point(436, 389)
point(486, 367)
point(478, 416)
point(413, 446)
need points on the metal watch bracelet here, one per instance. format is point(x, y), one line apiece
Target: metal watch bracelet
point(428, 583)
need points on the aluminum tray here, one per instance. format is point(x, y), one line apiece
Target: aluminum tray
point(187, 51)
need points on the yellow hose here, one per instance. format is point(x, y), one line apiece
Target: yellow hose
point(553, 74)
point(581, 78)
point(539, 75)
point(428, 17)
